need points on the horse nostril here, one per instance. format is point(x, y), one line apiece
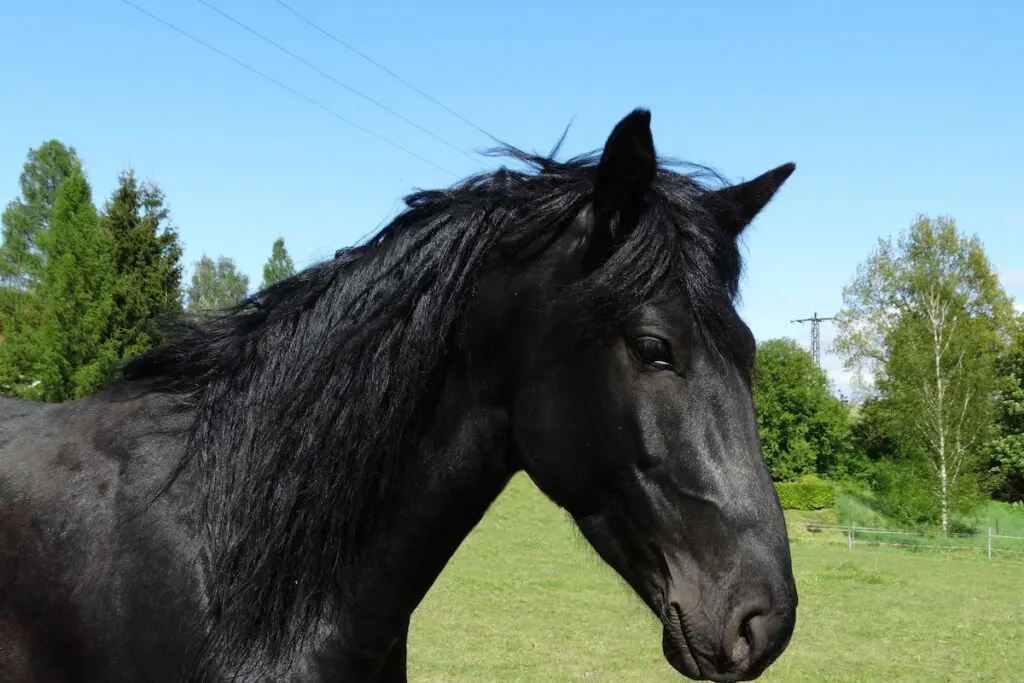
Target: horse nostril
point(758, 639)
point(744, 645)
point(751, 634)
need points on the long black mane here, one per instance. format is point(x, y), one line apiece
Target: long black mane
point(307, 393)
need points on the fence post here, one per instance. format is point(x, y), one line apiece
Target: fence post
point(990, 543)
point(850, 534)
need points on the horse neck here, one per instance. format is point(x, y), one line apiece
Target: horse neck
point(459, 464)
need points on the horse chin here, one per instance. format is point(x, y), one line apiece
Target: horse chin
point(682, 657)
point(677, 652)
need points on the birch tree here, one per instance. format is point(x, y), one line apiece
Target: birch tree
point(215, 285)
point(925, 317)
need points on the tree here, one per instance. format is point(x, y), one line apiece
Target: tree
point(24, 221)
point(75, 294)
point(216, 285)
point(804, 428)
point(279, 266)
point(28, 217)
point(924, 315)
point(147, 268)
point(1006, 450)
point(19, 345)
point(871, 436)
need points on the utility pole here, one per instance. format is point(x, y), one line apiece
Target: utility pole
point(815, 322)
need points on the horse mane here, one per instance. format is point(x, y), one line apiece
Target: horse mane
point(307, 393)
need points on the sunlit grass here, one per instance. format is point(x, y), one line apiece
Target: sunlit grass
point(525, 599)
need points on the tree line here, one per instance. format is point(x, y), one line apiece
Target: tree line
point(937, 350)
point(925, 325)
point(83, 288)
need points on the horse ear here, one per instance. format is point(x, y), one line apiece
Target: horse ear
point(626, 171)
point(737, 205)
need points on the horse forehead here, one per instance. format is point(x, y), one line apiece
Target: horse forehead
point(667, 309)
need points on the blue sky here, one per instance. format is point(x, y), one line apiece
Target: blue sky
point(888, 109)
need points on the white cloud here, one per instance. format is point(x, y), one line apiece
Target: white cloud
point(850, 384)
point(843, 381)
point(1011, 277)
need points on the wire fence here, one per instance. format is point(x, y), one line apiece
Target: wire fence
point(989, 543)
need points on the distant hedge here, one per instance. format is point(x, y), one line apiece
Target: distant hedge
point(810, 493)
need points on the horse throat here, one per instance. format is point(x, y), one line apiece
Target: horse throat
point(455, 468)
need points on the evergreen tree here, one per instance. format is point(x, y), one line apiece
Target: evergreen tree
point(279, 266)
point(19, 341)
point(24, 221)
point(27, 218)
point(147, 268)
point(75, 294)
point(216, 285)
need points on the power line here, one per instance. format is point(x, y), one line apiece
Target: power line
point(383, 68)
point(815, 322)
point(331, 78)
point(290, 89)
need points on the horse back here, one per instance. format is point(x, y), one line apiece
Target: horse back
point(96, 578)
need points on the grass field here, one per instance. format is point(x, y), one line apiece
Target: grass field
point(525, 599)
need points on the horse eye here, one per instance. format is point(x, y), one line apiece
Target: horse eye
point(654, 351)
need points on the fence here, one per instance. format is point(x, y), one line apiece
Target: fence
point(989, 542)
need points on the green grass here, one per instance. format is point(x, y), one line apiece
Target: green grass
point(525, 599)
point(1009, 519)
point(856, 507)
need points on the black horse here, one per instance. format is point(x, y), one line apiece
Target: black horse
point(270, 495)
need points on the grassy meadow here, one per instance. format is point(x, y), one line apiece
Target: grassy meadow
point(525, 599)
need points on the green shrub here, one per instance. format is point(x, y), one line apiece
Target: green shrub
point(902, 494)
point(810, 493)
